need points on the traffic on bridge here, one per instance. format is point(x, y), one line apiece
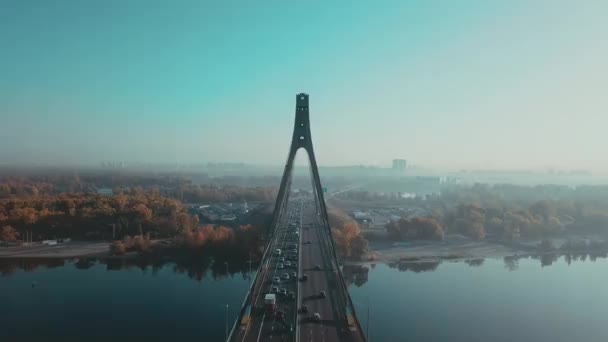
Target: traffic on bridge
point(299, 293)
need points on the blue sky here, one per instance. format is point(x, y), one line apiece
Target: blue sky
point(458, 84)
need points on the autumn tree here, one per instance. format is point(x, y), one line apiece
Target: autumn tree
point(142, 214)
point(9, 233)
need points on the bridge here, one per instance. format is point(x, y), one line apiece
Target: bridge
point(299, 292)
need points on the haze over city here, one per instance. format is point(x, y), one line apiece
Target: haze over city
point(467, 84)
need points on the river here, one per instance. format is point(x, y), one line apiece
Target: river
point(482, 300)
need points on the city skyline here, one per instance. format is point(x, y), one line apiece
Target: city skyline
point(471, 85)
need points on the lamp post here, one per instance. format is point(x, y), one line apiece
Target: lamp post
point(226, 322)
point(368, 320)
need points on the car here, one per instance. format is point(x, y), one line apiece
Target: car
point(277, 251)
point(294, 274)
point(281, 259)
point(292, 295)
point(315, 318)
point(322, 294)
point(308, 242)
point(280, 315)
point(295, 250)
point(286, 276)
point(304, 277)
point(280, 265)
point(287, 264)
point(317, 267)
point(274, 289)
point(276, 280)
point(304, 309)
point(283, 292)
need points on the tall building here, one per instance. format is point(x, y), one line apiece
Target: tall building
point(399, 164)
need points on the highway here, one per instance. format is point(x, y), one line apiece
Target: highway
point(271, 327)
point(310, 257)
point(314, 255)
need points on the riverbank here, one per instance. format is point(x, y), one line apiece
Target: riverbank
point(458, 247)
point(70, 249)
point(451, 248)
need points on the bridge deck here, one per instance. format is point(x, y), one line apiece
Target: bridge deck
point(316, 261)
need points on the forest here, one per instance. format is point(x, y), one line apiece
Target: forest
point(142, 208)
point(506, 212)
point(178, 186)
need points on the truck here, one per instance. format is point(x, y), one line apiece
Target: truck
point(270, 303)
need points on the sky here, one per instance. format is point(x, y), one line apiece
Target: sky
point(513, 84)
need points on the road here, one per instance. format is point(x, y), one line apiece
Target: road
point(311, 258)
point(314, 254)
point(267, 327)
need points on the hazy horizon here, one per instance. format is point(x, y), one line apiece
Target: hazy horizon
point(452, 85)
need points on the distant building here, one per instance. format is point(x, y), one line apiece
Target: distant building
point(399, 165)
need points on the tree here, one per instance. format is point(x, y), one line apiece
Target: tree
point(142, 214)
point(425, 228)
point(118, 248)
point(9, 233)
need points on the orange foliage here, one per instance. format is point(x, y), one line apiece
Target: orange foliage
point(347, 235)
point(8, 233)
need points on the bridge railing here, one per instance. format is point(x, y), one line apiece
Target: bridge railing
point(344, 289)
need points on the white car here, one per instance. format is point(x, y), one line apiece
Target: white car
point(286, 276)
point(280, 265)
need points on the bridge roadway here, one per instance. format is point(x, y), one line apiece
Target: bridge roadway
point(314, 259)
point(261, 326)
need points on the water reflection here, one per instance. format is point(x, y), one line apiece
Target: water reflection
point(194, 268)
point(358, 274)
point(474, 262)
point(417, 267)
point(197, 268)
point(355, 274)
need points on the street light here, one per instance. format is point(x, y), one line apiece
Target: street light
point(226, 322)
point(368, 320)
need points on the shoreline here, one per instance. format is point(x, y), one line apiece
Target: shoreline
point(455, 248)
point(72, 249)
point(460, 248)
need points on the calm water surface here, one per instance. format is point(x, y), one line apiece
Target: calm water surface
point(494, 301)
point(121, 304)
point(447, 302)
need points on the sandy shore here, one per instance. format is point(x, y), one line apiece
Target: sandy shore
point(63, 250)
point(451, 248)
